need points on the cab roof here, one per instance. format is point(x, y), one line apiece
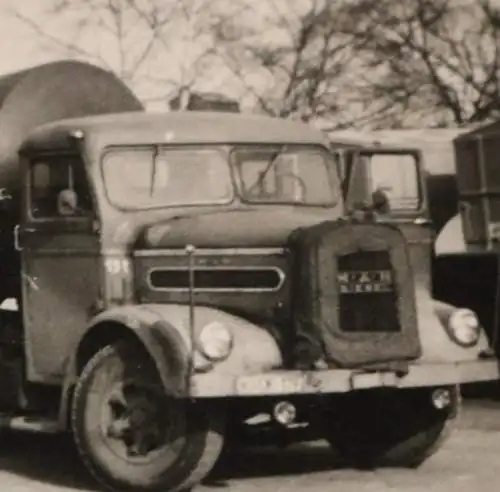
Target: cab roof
point(181, 127)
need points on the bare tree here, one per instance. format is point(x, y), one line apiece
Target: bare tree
point(370, 63)
point(429, 62)
point(156, 46)
point(290, 58)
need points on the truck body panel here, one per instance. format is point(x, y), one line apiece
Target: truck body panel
point(33, 97)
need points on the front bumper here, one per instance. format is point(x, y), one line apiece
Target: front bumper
point(282, 382)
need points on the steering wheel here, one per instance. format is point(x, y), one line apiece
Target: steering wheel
point(300, 181)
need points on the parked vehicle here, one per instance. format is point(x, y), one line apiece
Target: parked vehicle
point(181, 273)
point(474, 232)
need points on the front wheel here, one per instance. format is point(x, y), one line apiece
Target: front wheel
point(131, 435)
point(400, 429)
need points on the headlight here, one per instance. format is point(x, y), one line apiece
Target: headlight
point(215, 341)
point(464, 327)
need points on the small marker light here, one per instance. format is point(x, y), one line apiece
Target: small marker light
point(441, 398)
point(284, 413)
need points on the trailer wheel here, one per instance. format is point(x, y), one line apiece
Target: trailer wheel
point(131, 435)
point(402, 429)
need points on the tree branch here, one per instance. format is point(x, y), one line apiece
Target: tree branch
point(69, 47)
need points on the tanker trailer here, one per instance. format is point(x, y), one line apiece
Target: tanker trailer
point(42, 94)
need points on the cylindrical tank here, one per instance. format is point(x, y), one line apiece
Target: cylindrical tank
point(42, 94)
point(46, 93)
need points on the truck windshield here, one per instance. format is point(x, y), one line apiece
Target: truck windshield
point(142, 178)
point(299, 175)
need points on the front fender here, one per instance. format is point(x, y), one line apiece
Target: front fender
point(164, 330)
point(254, 349)
point(437, 344)
point(158, 334)
point(444, 311)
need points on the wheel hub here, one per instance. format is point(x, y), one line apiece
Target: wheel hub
point(137, 419)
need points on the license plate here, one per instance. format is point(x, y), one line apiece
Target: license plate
point(261, 384)
point(373, 380)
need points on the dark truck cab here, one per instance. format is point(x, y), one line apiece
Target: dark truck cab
point(184, 272)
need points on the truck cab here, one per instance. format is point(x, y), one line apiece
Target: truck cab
point(184, 272)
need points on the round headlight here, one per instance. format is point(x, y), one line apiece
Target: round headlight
point(464, 327)
point(215, 341)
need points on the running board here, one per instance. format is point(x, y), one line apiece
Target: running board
point(39, 425)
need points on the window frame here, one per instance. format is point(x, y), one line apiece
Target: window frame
point(419, 172)
point(329, 162)
point(50, 156)
point(222, 149)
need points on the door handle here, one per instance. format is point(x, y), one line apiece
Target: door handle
point(17, 247)
point(17, 244)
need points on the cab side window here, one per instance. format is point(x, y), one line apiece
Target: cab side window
point(59, 188)
point(389, 180)
point(395, 179)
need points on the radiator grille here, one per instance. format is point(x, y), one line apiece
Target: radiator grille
point(368, 300)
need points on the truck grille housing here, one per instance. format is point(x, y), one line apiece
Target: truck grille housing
point(354, 293)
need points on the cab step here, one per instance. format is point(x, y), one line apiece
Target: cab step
point(30, 423)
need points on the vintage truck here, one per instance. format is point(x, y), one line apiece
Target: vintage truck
point(179, 274)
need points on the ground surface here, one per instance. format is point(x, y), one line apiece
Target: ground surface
point(469, 461)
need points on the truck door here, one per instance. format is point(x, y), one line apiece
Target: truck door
point(392, 181)
point(59, 255)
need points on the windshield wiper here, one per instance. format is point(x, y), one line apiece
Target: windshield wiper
point(270, 165)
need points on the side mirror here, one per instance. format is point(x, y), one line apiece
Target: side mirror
point(380, 202)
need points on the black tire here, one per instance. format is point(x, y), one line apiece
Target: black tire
point(399, 429)
point(166, 444)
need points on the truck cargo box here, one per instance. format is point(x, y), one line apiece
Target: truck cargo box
point(477, 155)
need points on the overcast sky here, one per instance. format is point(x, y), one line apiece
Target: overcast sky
point(19, 46)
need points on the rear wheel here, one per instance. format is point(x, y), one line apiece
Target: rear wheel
point(401, 429)
point(131, 435)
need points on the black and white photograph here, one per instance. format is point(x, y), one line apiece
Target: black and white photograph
point(314, 306)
